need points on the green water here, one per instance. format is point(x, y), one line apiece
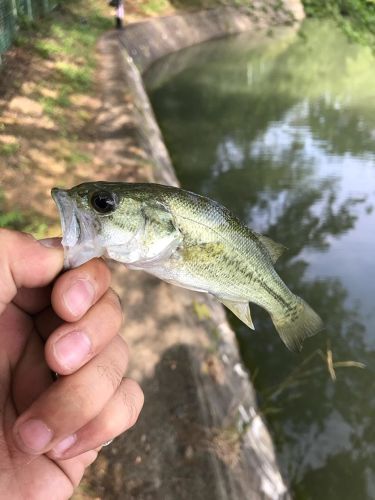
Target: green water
point(281, 129)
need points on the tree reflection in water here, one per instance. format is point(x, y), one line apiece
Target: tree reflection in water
point(282, 132)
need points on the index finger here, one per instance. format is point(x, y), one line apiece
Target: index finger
point(78, 289)
point(25, 262)
point(35, 300)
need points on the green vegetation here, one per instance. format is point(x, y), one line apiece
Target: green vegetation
point(57, 86)
point(161, 7)
point(9, 149)
point(355, 17)
point(11, 220)
point(66, 38)
point(15, 219)
point(78, 78)
point(152, 7)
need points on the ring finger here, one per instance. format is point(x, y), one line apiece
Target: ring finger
point(119, 415)
point(72, 401)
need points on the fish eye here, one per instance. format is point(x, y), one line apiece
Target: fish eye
point(104, 202)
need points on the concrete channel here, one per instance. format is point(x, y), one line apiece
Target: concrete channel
point(200, 435)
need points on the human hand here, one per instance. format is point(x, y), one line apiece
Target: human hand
point(50, 431)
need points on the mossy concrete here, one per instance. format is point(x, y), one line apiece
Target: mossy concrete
point(200, 434)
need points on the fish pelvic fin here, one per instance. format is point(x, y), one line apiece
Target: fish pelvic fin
point(275, 250)
point(299, 323)
point(240, 309)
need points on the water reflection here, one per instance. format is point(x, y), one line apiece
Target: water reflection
point(282, 131)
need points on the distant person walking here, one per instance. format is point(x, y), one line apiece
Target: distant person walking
point(119, 13)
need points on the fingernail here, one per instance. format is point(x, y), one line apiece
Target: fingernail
point(72, 350)
point(79, 297)
point(65, 444)
point(35, 435)
point(51, 242)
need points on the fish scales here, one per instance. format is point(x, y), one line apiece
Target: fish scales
point(185, 239)
point(240, 261)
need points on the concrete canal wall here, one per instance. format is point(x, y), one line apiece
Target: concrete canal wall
point(200, 434)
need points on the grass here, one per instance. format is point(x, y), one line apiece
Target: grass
point(16, 219)
point(305, 370)
point(60, 55)
point(76, 78)
point(68, 41)
point(154, 7)
point(11, 220)
point(9, 149)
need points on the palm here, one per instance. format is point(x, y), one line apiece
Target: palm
point(24, 375)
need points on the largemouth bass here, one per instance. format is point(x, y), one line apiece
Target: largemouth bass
point(184, 239)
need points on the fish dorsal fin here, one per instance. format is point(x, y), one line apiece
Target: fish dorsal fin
point(274, 249)
point(240, 309)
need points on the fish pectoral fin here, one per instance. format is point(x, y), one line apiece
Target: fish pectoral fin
point(160, 235)
point(274, 249)
point(240, 309)
point(158, 218)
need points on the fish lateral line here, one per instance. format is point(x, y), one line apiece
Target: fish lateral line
point(273, 248)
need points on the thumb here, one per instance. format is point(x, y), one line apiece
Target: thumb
point(25, 262)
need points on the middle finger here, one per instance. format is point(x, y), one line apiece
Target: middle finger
point(72, 345)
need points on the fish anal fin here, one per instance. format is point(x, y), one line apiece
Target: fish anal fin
point(274, 249)
point(240, 309)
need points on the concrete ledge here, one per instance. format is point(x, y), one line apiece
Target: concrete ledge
point(148, 41)
point(200, 434)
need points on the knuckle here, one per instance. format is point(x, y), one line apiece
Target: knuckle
point(122, 345)
point(114, 309)
point(114, 303)
point(112, 372)
point(5, 234)
point(114, 362)
point(108, 429)
point(133, 399)
point(133, 412)
point(116, 297)
point(8, 243)
point(122, 350)
point(8, 237)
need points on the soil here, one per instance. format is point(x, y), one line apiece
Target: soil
point(60, 150)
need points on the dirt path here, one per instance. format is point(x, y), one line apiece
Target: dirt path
point(51, 97)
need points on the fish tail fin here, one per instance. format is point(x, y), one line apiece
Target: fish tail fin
point(299, 323)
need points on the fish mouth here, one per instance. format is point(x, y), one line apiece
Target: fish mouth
point(68, 216)
point(79, 237)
